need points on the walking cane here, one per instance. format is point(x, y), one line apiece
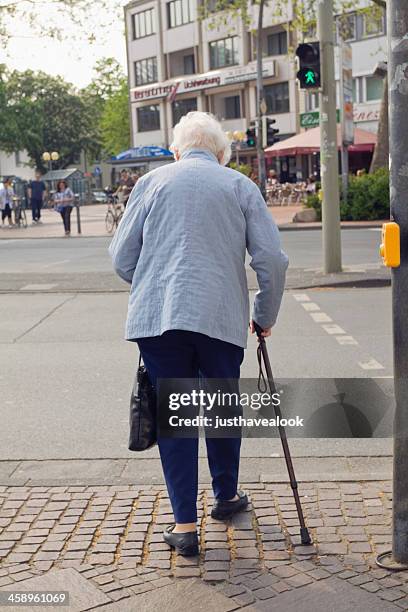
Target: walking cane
point(263, 353)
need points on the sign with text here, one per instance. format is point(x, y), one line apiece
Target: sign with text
point(312, 119)
point(346, 93)
point(215, 78)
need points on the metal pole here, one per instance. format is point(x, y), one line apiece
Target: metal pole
point(344, 171)
point(260, 103)
point(328, 141)
point(397, 17)
point(344, 149)
point(78, 214)
point(398, 92)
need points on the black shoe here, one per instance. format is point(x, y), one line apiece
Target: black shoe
point(224, 510)
point(186, 544)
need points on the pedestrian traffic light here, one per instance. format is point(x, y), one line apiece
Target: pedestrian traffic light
point(271, 132)
point(309, 65)
point(251, 137)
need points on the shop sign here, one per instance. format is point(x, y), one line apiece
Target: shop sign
point(218, 78)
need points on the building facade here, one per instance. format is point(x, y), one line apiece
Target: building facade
point(178, 62)
point(180, 59)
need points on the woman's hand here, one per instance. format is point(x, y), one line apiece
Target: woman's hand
point(265, 332)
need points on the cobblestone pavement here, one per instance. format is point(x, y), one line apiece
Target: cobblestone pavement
point(111, 535)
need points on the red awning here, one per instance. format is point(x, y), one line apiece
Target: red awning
point(309, 142)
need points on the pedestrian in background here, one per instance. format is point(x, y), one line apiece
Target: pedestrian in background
point(124, 190)
point(37, 190)
point(181, 245)
point(6, 202)
point(63, 203)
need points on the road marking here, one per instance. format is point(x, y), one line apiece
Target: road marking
point(56, 263)
point(38, 287)
point(6, 241)
point(346, 340)
point(310, 306)
point(320, 317)
point(301, 297)
point(374, 229)
point(371, 364)
point(333, 329)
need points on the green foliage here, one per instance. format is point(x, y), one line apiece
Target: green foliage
point(45, 113)
point(41, 113)
point(368, 198)
point(243, 168)
point(107, 95)
point(115, 123)
point(313, 201)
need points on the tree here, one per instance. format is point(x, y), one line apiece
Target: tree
point(76, 12)
point(115, 124)
point(45, 113)
point(107, 95)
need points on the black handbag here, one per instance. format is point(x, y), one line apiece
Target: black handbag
point(143, 407)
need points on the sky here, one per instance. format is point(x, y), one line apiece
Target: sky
point(74, 57)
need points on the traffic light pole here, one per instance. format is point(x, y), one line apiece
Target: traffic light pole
point(260, 103)
point(398, 99)
point(329, 166)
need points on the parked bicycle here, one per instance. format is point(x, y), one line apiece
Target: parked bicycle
point(114, 213)
point(20, 217)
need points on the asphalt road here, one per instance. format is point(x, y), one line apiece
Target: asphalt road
point(66, 373)
point(88, 255)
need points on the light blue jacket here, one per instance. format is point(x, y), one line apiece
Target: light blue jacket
point(182, 244)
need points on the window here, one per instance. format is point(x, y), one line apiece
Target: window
point(374, 88)
point(277, 98)
point(182, 107)
point(179, 12)
point(277, 43)
point(232, 107)
point(346, 27)
point(358, 89)
point(148, 118)
point(189, 64)
point(312, 101)
point(373, 24)
point(224, 52)
point(146, 71)
point(213, 6)
point(143, 24)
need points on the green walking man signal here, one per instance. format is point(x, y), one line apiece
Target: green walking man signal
point(310, 77)
point(309, 65)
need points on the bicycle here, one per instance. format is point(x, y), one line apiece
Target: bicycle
point(114, 214)
point(20, 217)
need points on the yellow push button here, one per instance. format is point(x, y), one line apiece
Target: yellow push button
point(390, 247)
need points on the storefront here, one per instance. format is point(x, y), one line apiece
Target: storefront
point(297, 157)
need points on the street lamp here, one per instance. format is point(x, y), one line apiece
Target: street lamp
point(50, 157)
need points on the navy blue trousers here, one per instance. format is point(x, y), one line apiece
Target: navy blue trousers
point(185, 354)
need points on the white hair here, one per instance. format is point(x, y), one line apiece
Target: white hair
point(198, 130)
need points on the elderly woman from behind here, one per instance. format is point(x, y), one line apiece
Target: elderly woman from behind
point(181, 245)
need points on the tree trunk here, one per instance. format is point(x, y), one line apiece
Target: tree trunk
point(259, 100)
point(381, 151)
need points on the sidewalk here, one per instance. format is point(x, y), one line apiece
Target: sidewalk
point(93, 223)
point(103, 544)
